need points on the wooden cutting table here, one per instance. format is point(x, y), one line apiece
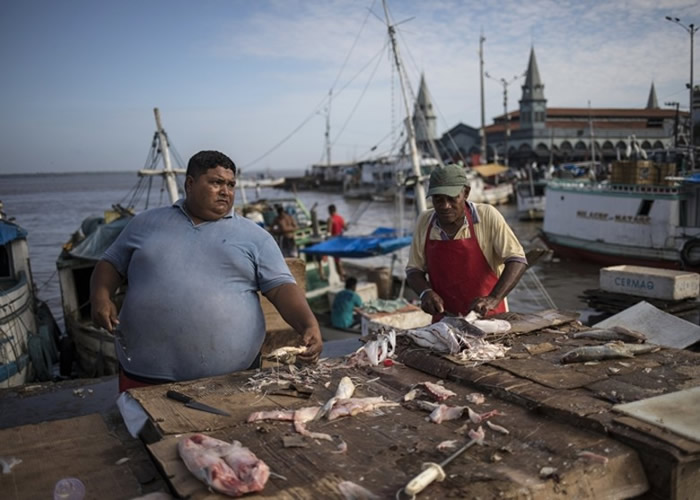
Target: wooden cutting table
point(553, 412)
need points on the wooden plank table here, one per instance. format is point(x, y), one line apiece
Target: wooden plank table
point(553, 412)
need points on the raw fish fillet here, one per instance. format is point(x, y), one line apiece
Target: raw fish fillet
point(230, 469)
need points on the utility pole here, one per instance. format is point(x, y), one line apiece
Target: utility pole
point(484, 150)
point(675, 122)
point(505, 84)
point(691, 29)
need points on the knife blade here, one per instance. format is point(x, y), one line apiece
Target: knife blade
point(191, 403)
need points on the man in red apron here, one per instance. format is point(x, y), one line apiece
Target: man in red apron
point(464, 256)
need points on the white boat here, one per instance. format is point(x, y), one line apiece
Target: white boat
point(260, 182)
point(382, 178)
point(530, 199)
point(94, 346)
point(27, 329)
point(486, 186)
point(642, 216)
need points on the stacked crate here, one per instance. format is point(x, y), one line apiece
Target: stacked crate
point(664, 170)
point(634, 172)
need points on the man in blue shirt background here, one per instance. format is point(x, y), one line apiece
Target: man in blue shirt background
point(343, 310)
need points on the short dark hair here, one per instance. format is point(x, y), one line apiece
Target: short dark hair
point(331, 208)
point(351, 283)
point(204, 160)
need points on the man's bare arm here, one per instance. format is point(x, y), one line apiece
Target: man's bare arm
point(291, 303)
point(104, 282)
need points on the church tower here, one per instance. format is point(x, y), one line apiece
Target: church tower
point(652, 102)
point(533, 105)
point(424, 119)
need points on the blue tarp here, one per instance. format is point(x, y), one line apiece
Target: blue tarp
point(695, 178)
point(10, 232)
point(382, 241)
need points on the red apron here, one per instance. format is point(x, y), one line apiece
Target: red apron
point(459, 272)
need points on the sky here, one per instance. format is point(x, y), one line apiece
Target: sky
point(79, 78)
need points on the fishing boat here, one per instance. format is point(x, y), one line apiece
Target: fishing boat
point(94, 346)
point(28, 332)
point(642, 215)
point(530, 196)
point(381, 179)
point(488, 184)
point(530, 199)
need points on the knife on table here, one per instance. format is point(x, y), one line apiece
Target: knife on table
point(191, 403)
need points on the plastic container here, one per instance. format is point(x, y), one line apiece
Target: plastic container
point(69, 488)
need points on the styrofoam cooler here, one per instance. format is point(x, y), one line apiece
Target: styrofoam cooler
point(664, 284)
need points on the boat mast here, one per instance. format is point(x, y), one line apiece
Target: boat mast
point(418, 189)
point(484, 153)
point(168, 172)
point(328, 129)
point(590, 125)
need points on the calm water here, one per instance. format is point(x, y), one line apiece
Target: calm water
point(51, 207)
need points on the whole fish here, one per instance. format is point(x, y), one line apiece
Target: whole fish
point(611, 350)
point(229, 468)
point(614, 333)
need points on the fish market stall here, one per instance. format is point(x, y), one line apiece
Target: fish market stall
point(544, 409)
point(543, 412)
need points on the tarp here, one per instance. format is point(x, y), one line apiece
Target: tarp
point(382, 241)
point(95, 243)
point(489, 170)
point(10, 232)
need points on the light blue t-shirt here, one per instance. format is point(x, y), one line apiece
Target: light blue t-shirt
point(191, 308)
point(342, 309)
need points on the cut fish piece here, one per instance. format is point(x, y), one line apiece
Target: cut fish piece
point(230, 469)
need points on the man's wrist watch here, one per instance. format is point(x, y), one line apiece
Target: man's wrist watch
point(420, 297)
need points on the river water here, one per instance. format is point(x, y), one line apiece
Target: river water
point(52, 206)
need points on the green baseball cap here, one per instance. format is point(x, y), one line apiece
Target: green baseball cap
point(448, 180)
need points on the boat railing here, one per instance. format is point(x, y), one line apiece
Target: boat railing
point(606, 187)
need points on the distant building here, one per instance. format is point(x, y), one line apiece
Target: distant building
point(424, 119)
point(536, 132)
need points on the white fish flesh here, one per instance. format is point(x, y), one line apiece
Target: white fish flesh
point(497, 428)
point(449, 444)
point(476, 398)
point(304, 415)
point(438, 392)
point(477, 435)
point(353, 406)
point(488, 325)
point(230, 469)
point(286, 355)
point(444, 412)
point(300, 417)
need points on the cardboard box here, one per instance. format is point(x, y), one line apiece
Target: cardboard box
point(664, 284)
point(407, 318)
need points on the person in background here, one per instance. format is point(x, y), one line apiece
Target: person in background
point(463, 255)
point(343, 309)
point(283, 227)
point(194, 271)
point(336, 227)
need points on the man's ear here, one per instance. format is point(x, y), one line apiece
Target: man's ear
point(188, 183)
point(467, 190)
